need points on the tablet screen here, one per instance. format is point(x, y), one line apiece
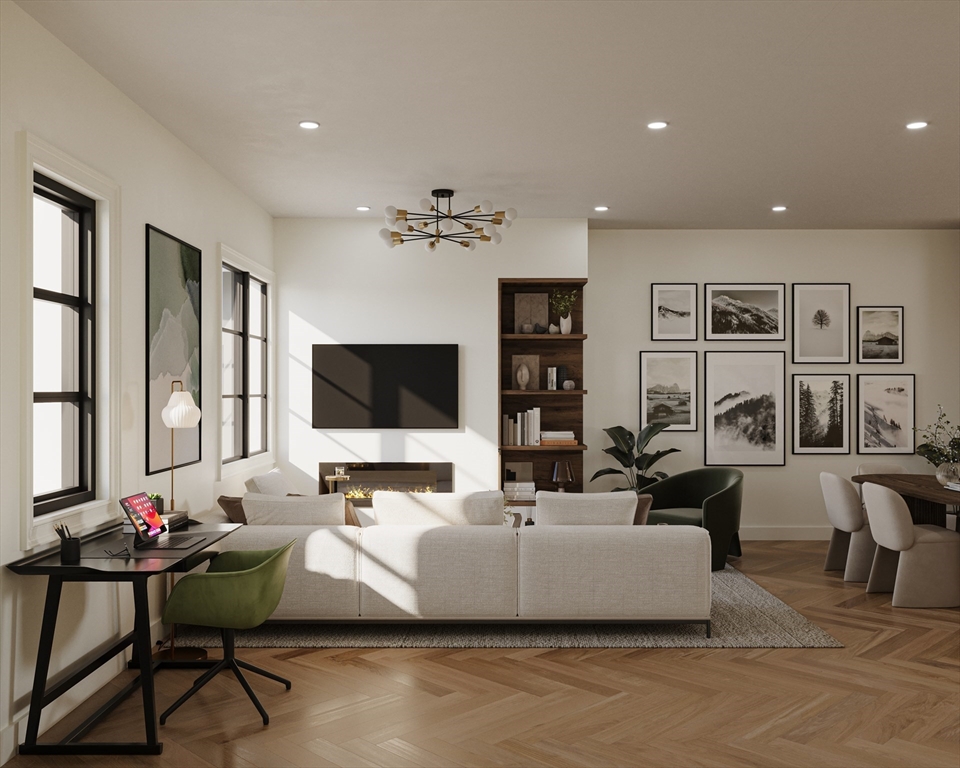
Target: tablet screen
point(143, 515)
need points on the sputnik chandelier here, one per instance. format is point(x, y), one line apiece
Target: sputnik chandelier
point(433, 225)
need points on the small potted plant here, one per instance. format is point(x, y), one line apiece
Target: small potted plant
point(562, 302)
point(629, 453)
point(157, 500)
point(941, 447)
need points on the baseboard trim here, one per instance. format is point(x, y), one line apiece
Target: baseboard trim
point(8, 742)
point(785, 532)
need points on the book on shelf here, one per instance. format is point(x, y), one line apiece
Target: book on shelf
point(558, 442)
point(566, 434)
point(524, 430)
point(519, 496)
point(512, 486)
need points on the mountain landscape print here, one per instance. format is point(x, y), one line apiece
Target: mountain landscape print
point(745, 407)
point(880, 331)
point(821, 415)
point(886, 413)
point(745, 311)
point(667, 380)
point(674, 311)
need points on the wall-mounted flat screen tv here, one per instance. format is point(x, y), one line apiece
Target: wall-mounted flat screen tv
point(386, 386)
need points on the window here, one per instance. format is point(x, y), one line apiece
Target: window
point(64, 347)
point(244, 365)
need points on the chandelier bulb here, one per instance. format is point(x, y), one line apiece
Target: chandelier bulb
point(473, 244)
point(489, 229)
point(425, 205)
point(430, 246)
point(495, 238)
point(390, 211)
point(510, 214)
point(486, 207)
point(391, 220)
point(385, 234)
point(446, 225)
point(506, 224)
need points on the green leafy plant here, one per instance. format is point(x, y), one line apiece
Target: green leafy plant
point(942, 441)
point(629, 452)
point(154, 496)
point(562, 302)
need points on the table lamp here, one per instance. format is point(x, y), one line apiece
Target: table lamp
point(562, 474)
point(181, 413)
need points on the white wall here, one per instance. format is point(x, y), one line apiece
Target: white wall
point(342, 285)
point(917, 269)
point(46, 90)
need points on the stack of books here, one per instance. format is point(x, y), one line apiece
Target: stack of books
point(524, 430)
point(561, 437)
point(516, 491)
point(952, 486)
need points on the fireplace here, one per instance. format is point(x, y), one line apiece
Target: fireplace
point(358, 480)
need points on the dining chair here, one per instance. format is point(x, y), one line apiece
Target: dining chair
point(920, 564)
point(851, 545)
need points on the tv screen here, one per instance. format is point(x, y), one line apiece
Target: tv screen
point(386, 386)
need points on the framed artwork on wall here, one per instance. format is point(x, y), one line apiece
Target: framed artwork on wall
point(668, 390)
point(880, 334)
point(172, 344)
point(744, 311)
point(673, 311)
point(887, 412)
point(744, 409)
point(821, 413)
point(821, 322)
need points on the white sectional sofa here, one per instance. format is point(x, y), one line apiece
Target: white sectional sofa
point(465, 565)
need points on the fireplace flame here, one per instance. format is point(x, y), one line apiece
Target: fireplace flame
point(366, 492)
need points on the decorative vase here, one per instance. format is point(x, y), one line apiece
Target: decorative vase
point(948, 472)
point(566, 324)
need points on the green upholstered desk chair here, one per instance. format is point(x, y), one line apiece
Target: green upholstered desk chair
point(709, 498)
point(238, 591)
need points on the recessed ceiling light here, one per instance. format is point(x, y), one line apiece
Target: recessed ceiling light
point(363, 207)
point(309, 124)
point(779, 208)
point(917, 125)
point(657, 126)
point(601, 208)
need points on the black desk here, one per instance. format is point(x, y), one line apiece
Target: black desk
point(114, 569)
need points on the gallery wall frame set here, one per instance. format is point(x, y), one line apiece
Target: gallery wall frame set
point(886, 405)
point(821, 323)
point(744, 311)
point(668, 390)
point(821, 413)
point(673, 311)
point(744, 409)
point(172, 343)
point(880, 334)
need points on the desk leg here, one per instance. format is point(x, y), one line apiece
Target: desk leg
point(142, 648)
point(50, 608)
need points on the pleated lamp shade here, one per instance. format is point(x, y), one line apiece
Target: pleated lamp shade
point(181, 412)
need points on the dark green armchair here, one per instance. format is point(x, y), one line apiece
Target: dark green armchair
point(708, 497)
point(239, 590)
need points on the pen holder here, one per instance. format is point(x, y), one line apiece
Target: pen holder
point(70, 551)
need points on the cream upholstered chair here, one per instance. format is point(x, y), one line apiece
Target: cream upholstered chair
point(920, 564)
point(851, 546)
point(880, 468)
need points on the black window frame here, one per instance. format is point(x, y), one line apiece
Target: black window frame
point(244, 396)
point(85, 208)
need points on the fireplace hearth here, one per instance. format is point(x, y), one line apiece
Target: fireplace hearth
point(359, 480)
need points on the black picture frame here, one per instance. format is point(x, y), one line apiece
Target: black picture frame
point(860, 331)
point(909, 408)
point(796, 448)
point(170, 260)
point(693, 395)
point(751, 318)
point(798, 324)
point(694, 289)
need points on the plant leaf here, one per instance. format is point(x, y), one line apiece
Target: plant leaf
point(623, 439)
point(606, 471)
point(650, 431)
point(647, 460)
point(623, 489)
point(643, 482)
point(625, 459)
point(660, 475)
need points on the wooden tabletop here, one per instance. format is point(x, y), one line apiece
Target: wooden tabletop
point(918, 486)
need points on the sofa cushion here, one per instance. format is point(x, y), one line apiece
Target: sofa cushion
point(676, 516)
point(273, 483)
point(615, 508)
point(233, 506)
point(480, 508)
point(261, 509)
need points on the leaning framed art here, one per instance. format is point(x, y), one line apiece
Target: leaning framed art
point(744, 311)
point(879, 334)
point(821, 322)
point(668, 390)
point(886, 405)
point(744, 409)
point(673, 309)
point(172, 343)
point(821, 413)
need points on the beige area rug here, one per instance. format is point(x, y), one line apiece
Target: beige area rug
point(744, 615)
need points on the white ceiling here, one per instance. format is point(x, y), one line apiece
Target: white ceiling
point(543, 105)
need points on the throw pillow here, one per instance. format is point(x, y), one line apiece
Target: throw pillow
point(350, 513)
point(396, 508)
point(614, 508)
point(233, 506)
point(262, 509)
point(271, 484)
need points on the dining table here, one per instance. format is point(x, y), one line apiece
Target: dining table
point(927, 500)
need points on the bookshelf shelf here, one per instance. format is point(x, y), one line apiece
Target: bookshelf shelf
point(544, 449)
point(552, 338)
point(542, 392)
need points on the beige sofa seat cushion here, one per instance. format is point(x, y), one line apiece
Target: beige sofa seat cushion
point(447, 571)
point(322, 575)
point(603, 572)
point(614, 508)
point(261, 509)
point(480, 508)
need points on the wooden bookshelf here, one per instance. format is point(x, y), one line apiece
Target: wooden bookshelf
point(559, 409)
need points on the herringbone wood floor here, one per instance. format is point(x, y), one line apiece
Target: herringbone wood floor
point(891, 697)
